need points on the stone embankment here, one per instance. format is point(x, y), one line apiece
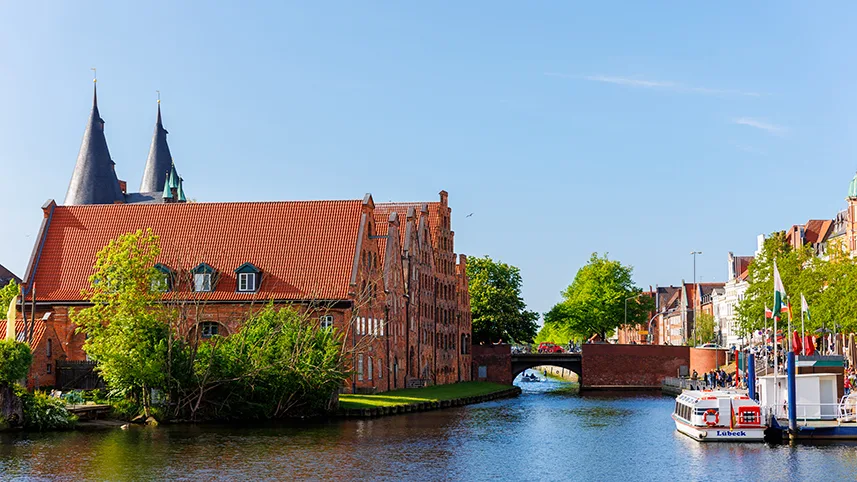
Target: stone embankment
point(426, 406)
point(558, 373)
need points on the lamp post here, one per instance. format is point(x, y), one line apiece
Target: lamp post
point(694, 253)
point(626, 307)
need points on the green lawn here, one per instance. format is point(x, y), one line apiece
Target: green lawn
point(418, 395)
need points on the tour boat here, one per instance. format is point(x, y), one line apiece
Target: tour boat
point(719, 416)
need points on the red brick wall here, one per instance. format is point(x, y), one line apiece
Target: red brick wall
point(498, 362)
point(705, 359)
point(643, 366)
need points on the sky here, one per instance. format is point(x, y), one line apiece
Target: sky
point(644, 130)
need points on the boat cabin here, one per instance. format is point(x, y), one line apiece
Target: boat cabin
point(816, 395)
point(717, 409)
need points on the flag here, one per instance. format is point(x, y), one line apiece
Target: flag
point(779, 292)
point(804, 308)
point(768, 313)
point(11, 317)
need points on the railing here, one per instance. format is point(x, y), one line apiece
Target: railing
point(531, 348)
point(814, 411)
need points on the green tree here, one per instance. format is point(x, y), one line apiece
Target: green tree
point(595, 302)
point(15, 360)
point(124, 335)
point(6, 294)
point(829, 285)
point(703, 331)
point(498, 310)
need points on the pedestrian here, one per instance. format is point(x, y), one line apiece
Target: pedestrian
point(694, 375)
point(847, 385)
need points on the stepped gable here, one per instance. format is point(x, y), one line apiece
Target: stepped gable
point(305, 249)
point(94, 178)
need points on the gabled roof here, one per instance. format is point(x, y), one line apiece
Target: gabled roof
point(38, 331)
point(305, 248)
point(159, 162)
point(817, 230)
point(383, 210)
point(94, 178)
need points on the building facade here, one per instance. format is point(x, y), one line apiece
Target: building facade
point(386, 276)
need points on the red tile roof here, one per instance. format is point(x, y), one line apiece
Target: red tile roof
point(38, 331)
point(817, 230)
point(305, 249)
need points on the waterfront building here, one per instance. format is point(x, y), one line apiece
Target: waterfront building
point(386, 276)
point(726, 301)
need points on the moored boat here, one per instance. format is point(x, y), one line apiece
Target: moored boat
point(719, 416)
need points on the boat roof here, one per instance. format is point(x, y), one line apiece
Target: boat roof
point(696, 395)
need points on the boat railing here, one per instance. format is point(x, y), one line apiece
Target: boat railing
point(810, 411)
point(848, 409)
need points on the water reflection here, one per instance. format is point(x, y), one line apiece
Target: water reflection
point(548, 433)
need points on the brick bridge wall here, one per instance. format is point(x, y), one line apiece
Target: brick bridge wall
point(497, 363)
point(606, 366)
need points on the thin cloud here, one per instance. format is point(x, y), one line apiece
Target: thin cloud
point(759, 124)
point(655, 84)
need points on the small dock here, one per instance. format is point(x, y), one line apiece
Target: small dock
point(89, 412)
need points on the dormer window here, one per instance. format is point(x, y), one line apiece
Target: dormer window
point(162, 280)
point(249, 277)
point(203, 278)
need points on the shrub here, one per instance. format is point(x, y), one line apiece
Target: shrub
point(126, 408)
point(42, 412)
point(15, 360)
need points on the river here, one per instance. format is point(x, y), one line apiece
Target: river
point(547, 433)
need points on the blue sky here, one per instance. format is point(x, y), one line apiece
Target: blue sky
point(643, 129)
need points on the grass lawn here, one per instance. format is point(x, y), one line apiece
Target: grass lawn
point(418, 395)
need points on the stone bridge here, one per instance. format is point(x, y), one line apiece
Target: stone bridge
point(569, 361)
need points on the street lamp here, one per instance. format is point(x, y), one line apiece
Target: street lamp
point(698, 297)
point(626, 306)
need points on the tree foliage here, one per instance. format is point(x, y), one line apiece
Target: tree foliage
point(6, 294)
point(277, 362)
point(829, 285)
point(703, 331)
point(498, 310)
point(124, 334)
point(15, 361)
point(595, 302)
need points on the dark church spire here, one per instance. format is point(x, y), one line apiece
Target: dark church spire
point(160, 160)
point(94, 179)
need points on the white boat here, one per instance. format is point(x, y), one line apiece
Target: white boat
point(719, 416)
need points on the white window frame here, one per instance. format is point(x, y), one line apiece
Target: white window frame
point(380, 369)
point(382, 327)
point(249, 282)
point(370, 368)
point(202, 282)
point(360, 367)
point(326, 321)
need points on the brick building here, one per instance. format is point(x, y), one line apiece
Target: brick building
point(386, 276)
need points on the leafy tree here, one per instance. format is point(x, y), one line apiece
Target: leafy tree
point(15, 361)
point(6, 294)
point(703, 329)
point(829, 285)
point(595, 302)
point(124, 335)
point(498, 310)
point(555, 333)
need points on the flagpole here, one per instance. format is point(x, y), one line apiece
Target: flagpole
point(802, 330)
point(776, 368)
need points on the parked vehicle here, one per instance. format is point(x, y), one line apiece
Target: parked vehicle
point(550, 348)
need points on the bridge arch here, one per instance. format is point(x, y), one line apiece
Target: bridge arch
point(569, 361)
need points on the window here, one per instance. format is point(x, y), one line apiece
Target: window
point(246, 281)
point(207, 329)
point(49, 369)
point(381, 323)
point(50, 348)
point(162, 280)
point(360, 367)
point(202, 282)
point(203, 278)
point(380, 369)
point(370, 368)
point(248, 278)
point(326, 321)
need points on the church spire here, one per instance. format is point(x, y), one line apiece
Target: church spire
point(94, 178)
point(159, 161)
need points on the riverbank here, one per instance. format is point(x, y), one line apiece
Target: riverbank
point(422, 399)
point(557, 373)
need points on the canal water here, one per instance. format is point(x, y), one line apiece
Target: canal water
point(548, 433)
